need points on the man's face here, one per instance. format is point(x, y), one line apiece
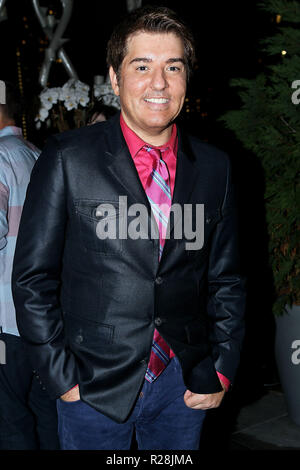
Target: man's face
point(152, 83)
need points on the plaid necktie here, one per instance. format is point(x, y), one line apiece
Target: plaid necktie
point(159, 194)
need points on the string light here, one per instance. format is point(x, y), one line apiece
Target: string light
point(283, 52)
point(20, 82)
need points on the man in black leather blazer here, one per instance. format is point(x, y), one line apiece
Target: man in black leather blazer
point(87, 306)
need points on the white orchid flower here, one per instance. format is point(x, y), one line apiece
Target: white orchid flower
point(82, 86)
point(48, 97)
point(70, 104)
point(73, 94)
point(42, 114)
point(83, 100)
point(82, 97)
point(70, 83)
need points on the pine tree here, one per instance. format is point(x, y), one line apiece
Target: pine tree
point(268, 124)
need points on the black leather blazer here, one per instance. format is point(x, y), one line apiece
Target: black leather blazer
point(87, 307)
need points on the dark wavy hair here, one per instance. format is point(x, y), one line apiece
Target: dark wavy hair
point(151, 19)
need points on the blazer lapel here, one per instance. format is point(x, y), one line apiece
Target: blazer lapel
point(121, 165)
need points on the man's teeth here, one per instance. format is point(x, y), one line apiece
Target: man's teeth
point(157, 100)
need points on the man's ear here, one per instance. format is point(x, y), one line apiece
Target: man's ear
point(114, 81)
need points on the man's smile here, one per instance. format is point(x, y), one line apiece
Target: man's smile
point(157, 100)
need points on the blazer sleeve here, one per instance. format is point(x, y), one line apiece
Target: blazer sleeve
point(226, 287)
point(37, 272)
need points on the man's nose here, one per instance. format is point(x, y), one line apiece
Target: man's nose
point(159, 80)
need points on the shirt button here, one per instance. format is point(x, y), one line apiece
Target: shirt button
point(141, 395)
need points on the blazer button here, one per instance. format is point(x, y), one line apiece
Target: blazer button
point(158, 321)
point(159, 280)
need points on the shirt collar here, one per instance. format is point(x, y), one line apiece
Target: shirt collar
point(10, 130)
point(135, 143)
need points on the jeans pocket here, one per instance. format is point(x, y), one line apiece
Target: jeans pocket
point(67, 402)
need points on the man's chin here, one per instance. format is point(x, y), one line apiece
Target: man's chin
point(156, 126)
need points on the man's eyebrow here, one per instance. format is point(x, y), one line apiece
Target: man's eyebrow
point(141, 59)
point(168, 61)
point(175, 59)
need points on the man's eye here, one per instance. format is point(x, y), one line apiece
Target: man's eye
point(142, 68)
point(173, 68)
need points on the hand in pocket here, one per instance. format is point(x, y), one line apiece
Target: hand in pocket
point(71, 395)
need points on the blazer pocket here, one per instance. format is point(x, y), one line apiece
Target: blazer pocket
point(99, 224)
point(88, 334)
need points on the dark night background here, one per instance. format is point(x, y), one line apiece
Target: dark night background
point(228, 35)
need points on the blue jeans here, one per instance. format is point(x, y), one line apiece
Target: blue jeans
point(160, 418)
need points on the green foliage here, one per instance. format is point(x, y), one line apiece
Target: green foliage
point(268, 124)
